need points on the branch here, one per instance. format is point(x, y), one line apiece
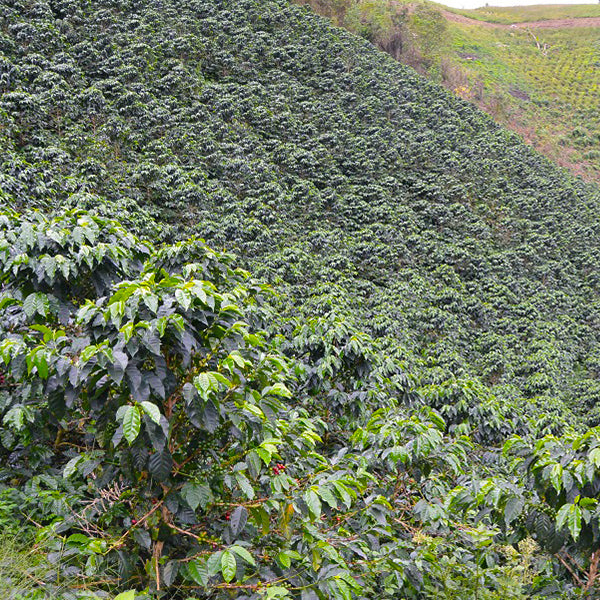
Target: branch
point(568, 567)
point(593, 573)
point(120, 541)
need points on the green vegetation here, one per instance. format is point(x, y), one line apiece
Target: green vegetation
point(525, 14)
point(389, 391)
point(542, 83)
point(21, 569)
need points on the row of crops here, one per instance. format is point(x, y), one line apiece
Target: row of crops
point(172, 425)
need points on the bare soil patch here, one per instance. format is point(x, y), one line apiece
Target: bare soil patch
point(547, 24)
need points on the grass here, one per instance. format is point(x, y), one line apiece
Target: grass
point(545, 84)
point(22, 569)
point(551, 64)
point(27, 574)
point(524, 14)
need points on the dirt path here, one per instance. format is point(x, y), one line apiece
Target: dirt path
point(549, 24)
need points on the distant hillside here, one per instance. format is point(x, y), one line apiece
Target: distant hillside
point(526, 14)
point(435, 292)
point(534, 69)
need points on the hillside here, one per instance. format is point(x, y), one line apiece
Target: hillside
point(540, 79)
point(527, 14)
point(435, 293)
point(533, 69)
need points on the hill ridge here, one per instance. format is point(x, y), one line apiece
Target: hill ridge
point(559, 23)
point(415, 394)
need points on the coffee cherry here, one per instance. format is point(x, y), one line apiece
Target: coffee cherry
point(279, 468)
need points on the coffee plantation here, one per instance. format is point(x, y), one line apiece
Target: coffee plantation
point(387, 390)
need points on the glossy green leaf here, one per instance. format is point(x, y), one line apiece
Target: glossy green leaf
point(131, 423)
point(198, 572)
point(196, 494)
point(151, 410)
point(228, 566)
point(243, 553)
point(313, 503)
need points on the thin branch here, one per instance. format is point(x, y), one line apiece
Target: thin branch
point(573, 573)
point(593, 573)
point(120, 541)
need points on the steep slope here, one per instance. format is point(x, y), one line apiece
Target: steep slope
point(320, 161)
point(533, 69)
point(373, 201)
point(539, 79)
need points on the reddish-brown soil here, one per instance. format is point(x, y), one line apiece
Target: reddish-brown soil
point(548, 24)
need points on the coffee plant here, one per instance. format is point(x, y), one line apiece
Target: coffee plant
point(323, 414)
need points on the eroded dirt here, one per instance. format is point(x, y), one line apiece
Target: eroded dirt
point(547, 24)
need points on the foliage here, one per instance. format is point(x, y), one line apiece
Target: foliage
point(175, 427)
point(552, 497)
point(155, 435)
point(540, 82)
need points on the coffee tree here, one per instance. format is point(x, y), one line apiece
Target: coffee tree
point(551, 498)
point(131, 367)
point(154, 431)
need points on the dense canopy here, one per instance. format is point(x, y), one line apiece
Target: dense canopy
point(434, 293)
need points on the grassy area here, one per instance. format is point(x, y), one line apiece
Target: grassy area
point(543, 84)
point(524, 14)
point(23, 569)
point(551, 65)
